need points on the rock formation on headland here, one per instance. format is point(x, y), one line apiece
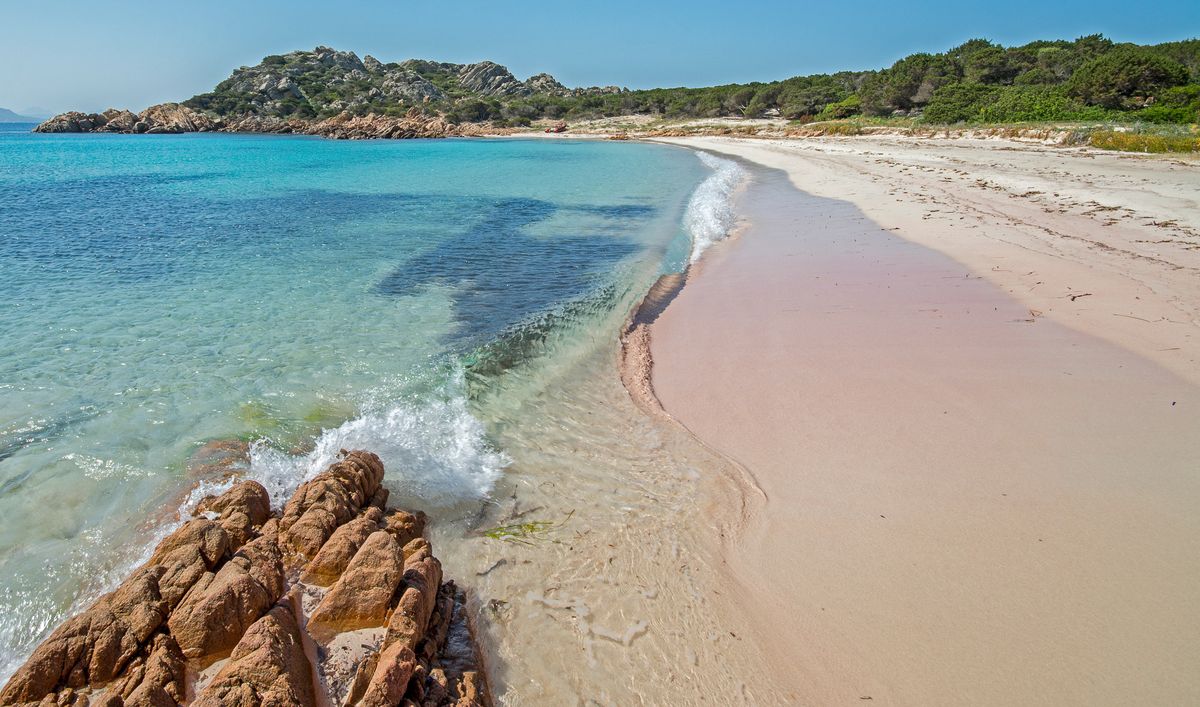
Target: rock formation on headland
point(175, 118)
point(336, 94)
point(337, 599)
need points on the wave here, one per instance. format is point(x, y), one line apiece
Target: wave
point(710, 214)
point(434, 449)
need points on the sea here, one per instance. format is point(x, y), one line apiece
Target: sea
point(165, 296)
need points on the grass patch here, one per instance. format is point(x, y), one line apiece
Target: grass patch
point(1143, 142)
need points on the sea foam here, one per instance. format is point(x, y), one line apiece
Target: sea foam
point(710, 214)
point(435, 452)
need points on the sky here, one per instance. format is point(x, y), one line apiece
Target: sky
point(57, 55)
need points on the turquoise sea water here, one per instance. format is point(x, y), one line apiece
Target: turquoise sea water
point(161, 292)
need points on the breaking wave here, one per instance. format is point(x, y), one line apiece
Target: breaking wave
point(710, 214)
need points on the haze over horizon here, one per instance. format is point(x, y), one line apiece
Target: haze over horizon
point(140, 54)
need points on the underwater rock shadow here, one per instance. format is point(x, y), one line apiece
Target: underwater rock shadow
point(503, 275)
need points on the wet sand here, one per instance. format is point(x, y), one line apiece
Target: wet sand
point(963, 501)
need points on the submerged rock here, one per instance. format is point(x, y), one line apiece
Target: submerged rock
point(231, 583)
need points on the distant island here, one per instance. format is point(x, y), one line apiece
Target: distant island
point(8, 116)
point(335, 93)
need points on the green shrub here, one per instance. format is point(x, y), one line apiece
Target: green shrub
point(847, 108)
point(1175, 105)
point(1126, 77)
point(957, 103)
point(1023, 104)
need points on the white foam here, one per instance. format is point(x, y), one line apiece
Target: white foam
point(709, 214)
point(435, 451)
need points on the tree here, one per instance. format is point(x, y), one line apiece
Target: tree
point(1126, 77)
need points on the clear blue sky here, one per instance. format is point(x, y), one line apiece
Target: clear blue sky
point(90, 54)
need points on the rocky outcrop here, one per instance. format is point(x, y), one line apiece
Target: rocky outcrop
point(173, 118)
point(163, 118)
point(72, 122)
point(237, 581)
point(545, 83)
point(489, 79)
point(367, 127)
point(268, 667)
point(335, 94)
point(363, 595)
point(222, 605)
point(344, 126)
point(329, 500)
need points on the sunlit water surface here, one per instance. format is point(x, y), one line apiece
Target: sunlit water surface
point(415, 298)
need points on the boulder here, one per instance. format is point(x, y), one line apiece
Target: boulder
point(118, 121)
point(421, 581)
point(174, 118)
point(155, 679)
point(327, 501)
point(239, 511)
point(363, 594)
point(491, 79)
point(335, 555)
point(218, 610)
point(197, 547)
point(267, 668)
point(406, 526)
point(546, 84)
point(389, 682)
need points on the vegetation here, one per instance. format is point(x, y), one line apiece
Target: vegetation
point(977, 82)
point(1137, 141)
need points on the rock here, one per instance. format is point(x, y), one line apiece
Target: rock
point(335, 555)
point(345, 126)
point(216, 612)
point(327, 501)
point(239, 511)
point(491, 79)
point(72, 122)
point(261, 124)
point(406, 526)
point(389, 682)
point(186, 555)
point(95, 646)
point(547, 84)
point(214, 585)
point(174, 118)
point(156, 679)
point(162, 118)
point(421, 580)
point(267, 668)
point(470, 690)
point(218, 458)
point(364, 593)
point(118, 121)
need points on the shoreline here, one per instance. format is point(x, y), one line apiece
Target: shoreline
point(723, 380)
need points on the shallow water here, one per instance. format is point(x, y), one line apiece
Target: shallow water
point(417, 298)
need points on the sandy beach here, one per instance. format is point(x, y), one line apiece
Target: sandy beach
point(964, 378)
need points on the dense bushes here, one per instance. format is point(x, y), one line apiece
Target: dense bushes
point(979, 81)
point(1126, 77)
point(1088, 79)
